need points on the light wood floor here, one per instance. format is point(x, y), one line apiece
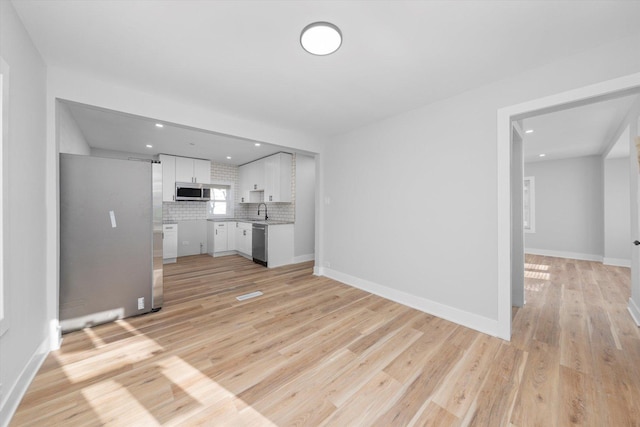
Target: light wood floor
point(312, 351)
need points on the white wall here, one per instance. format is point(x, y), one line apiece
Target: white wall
point(25, 343)
point(617, 220)
point(569, 208)
point(305, 197)
point(192, 237)
point(410, 203)
point(69, 134)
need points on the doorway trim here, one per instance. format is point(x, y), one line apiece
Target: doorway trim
point(575, 97)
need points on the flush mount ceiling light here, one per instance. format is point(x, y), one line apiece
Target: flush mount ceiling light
point(149, 146)
point(159, 125)
point(528, 131)
point(321, 38)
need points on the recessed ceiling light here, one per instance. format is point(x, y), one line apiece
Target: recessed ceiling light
point(321, 38)
point(542, 155)
point(228, 157)
point(257, 144)
point(159, 125)
point(149, 146)
point(528, 131)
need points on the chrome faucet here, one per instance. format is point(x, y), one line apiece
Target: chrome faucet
point(266, 217)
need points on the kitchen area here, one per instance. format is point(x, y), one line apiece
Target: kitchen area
point(223, 210)
point(197, 194)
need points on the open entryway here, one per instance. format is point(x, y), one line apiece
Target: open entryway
point(508, 253)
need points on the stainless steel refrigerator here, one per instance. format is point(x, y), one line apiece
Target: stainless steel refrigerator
point(110, 239)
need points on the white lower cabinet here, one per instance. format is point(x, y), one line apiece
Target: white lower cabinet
point(231, 236)
point(220, 237)
point(169, 243)
point(226, 237)
point(244, 238)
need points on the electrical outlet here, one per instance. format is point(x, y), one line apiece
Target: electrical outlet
point(327, 264)
point(185, 243)
point(140, 303)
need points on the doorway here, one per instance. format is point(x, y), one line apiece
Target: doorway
point(506, 116)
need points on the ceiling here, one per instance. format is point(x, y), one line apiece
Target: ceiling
point(243, 58)
point(580, 131)
point(112, 130)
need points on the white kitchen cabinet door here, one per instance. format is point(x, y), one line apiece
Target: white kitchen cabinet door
point(168, 178)
point(278, 178)
point(243, 183)
point(252, 181)
point(184, 169)
point(231, 236)
point(220, 237)
point(243, 238)
point(248, 240)
point(169, 242)
point(193, 170)
point(202, 171)
point(239, 238)
point(257, 175)
point(211, 232)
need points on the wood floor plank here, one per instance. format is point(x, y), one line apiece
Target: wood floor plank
point(538, 390)
point(313, 351)
point(579, 399)
point(494, 403)
point(434, 415)
point(366, 403)
point(466, 378)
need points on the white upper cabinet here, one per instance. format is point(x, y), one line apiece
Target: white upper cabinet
point(278, 178)
point(252, 181)
point(168, 178)
point(267, 179)
point(202, 171)
point(193, 170)
point(252, 176)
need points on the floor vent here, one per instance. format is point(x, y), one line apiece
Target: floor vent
point(247, 296)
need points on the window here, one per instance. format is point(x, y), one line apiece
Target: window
point(221, 201)
point(529, 211)
point(4, 113)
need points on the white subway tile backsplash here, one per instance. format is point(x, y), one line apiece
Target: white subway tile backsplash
point(180, 211)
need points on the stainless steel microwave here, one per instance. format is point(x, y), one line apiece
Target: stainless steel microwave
point(188, 191)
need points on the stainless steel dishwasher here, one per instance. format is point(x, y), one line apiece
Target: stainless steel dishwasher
point(259, 243)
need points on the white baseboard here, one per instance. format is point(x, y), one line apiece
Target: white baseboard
point(563, 254)
point(461, 317)
point(303, 258)
point(14, 395)
point(618, 262)
point(634, 310)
